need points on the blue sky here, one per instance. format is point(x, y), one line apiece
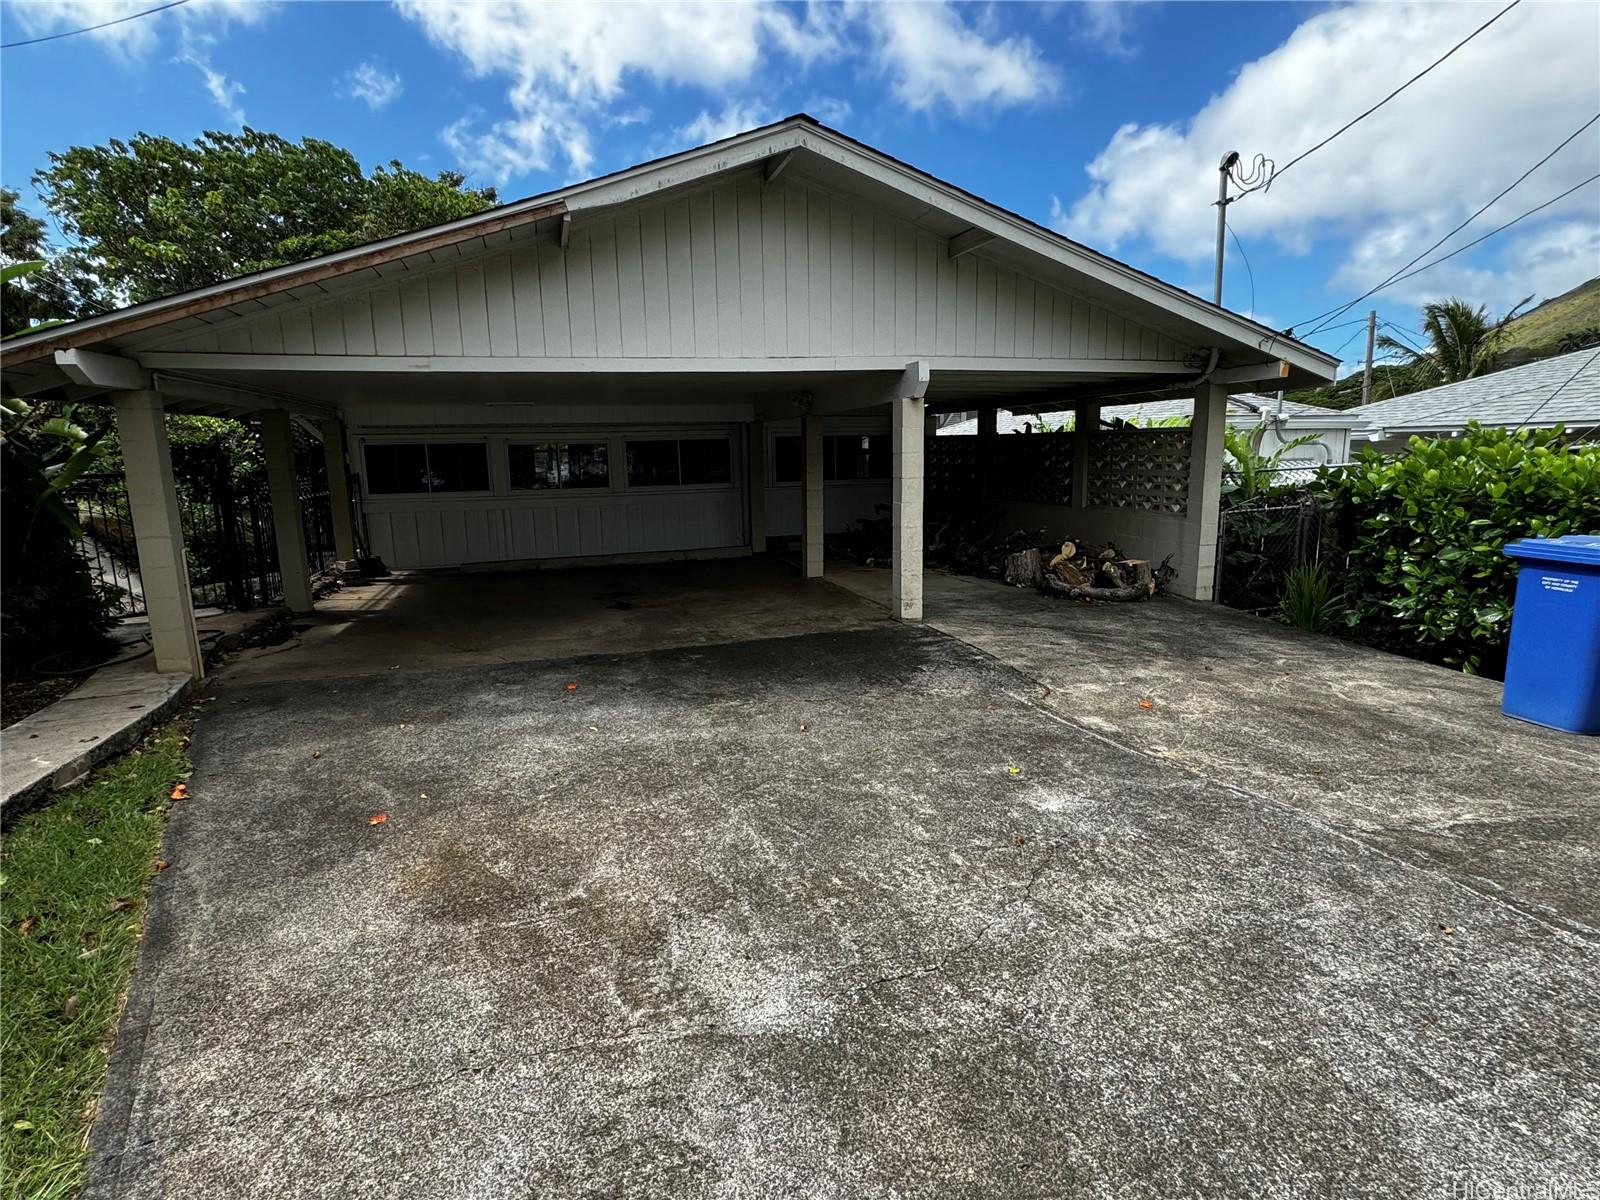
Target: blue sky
point(1104, 120)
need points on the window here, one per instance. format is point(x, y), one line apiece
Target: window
point(558, 465)
point(690, 461)
point(401, 468)
point(844, 456)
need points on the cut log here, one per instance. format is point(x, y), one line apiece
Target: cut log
point(1071, 574)
point(1025, 568)
point(1067, 592)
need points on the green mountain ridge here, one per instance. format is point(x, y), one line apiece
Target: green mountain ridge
point(1556, 326)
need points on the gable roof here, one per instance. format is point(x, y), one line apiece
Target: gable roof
point(1564, 390)
point(823, 154)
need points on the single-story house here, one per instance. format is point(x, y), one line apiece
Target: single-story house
point(1280, 421)
point(685, 358)
point(1564, 390)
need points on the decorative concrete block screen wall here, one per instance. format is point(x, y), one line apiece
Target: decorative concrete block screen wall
point(1034, 468)
point(1144, 469)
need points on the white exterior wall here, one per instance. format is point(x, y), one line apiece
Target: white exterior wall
point(502, 525)
point(733, 269)
point(844, 501)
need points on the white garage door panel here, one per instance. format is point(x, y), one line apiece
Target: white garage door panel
point(424, 533)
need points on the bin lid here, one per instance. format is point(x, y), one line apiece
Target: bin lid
point(1574, 548)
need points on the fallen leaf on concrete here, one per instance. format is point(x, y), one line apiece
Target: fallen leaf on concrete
point(162, 864)
point(423, 796)
point(572, 687)
point(1018, 840)
point(69, 1010)
point(316, 754)
point(26, 924)
point(1014, 770)
point(378, 818)
point(1147, 704)
point(1447, 929)
point(805, 728)
point(180, 792)
point(594, 729)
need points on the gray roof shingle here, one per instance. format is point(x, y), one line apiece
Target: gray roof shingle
point(1525, 395)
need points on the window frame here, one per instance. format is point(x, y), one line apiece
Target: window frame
point(676, 436)
point(425, 440)
point(563, 439)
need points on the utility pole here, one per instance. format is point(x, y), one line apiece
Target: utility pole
point(1372, 337)
point(1223, 170)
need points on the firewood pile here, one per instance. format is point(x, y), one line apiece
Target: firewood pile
point(1024, 558)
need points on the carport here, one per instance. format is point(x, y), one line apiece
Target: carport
point(680, 360)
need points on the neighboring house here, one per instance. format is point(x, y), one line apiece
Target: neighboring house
point(1283, 423)
point(1564, 390)
point(677, 360)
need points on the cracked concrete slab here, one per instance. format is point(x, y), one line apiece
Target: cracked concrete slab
point(846, 914)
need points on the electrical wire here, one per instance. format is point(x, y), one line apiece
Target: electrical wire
point(1563, 387)
point(1239, 246)
point(1565, 142)
point(1273, 175)
point(51, 37)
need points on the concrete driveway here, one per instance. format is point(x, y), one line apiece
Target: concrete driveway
point(843, 914)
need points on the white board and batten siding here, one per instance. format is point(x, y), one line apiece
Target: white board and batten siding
point(503, 525)
point(734, 269)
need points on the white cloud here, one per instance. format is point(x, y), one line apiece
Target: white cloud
point(1106, 24)
point(1401, 178)
point(570, 66)
point(735, 117)
point(372, 85)
point(934, 57)
point(196, 27)
point(830, 110)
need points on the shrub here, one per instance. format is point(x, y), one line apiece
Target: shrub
point(1424, 531)
point(1310, 600)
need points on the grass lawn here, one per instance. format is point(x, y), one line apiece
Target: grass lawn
point(73, 878)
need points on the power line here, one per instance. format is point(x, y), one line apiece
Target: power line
point(1567, 141)
point(1557, 392)
point(1239, 246)
point(1498, 229)
point(50, 37)
point(1272, 178)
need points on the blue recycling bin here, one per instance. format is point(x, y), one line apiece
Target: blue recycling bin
point(1553, 669)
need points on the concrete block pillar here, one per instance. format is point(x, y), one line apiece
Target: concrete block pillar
point(344, 515)
point(158, 532)
point(1197, 560)
point(277, 444)
point(905, 584)
point(758, 487)
point(1085, 420)
point(813, 522)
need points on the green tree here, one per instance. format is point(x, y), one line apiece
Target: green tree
point(1462, 342)
point(154, 216)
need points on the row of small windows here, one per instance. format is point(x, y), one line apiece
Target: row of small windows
point(410, 468)
point(844, 456)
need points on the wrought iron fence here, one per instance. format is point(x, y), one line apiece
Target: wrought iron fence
point(226, 510)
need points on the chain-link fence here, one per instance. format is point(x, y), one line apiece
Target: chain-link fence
point(1259, 542)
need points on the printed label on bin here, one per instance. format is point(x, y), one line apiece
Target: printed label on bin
point(1565, 584)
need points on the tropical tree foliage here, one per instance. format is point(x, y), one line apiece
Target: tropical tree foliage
point(50, 602)
point(153, 216)
point(1461, 342)
point(1424, 533)
point(1248, 473)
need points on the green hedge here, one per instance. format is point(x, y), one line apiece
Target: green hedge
point(1423, 532)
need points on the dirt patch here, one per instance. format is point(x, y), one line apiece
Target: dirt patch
point(23, 697)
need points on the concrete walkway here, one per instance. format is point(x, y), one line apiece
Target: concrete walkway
point(103, 716)
point(1414, 759)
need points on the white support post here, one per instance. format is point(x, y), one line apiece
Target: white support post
point(1197, 561)
point(813, 523)
point(344, 519)
point(906, 426)
point(1085, 421)
point(277, 445)
point(158, 532)
point(757, 475)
